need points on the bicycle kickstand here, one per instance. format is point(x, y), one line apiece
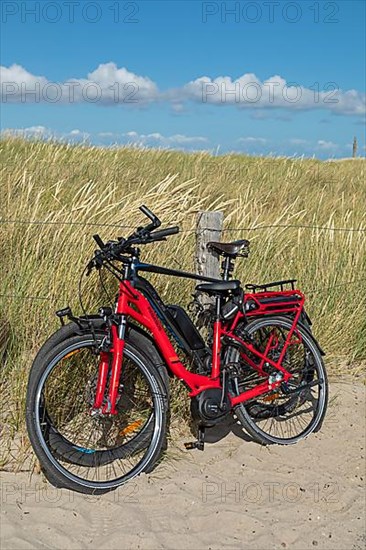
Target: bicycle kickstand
point(200, 443)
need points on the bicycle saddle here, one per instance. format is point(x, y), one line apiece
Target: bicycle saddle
point(229, 249)
point(220, 286)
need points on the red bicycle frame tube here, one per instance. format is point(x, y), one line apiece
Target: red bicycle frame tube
point(134, 305)
point(102, 380)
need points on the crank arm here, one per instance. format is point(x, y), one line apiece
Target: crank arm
point(299, 389)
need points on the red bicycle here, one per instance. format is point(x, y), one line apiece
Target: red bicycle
point(98, 391)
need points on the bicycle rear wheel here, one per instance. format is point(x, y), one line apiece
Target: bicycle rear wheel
point(94, 453)
point(293, 410)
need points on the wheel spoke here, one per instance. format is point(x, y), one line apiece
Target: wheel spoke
point(97, 449)
point(277, 416)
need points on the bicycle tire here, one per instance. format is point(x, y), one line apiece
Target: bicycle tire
point(133, 335)
point(245, 413)
point(51, 460)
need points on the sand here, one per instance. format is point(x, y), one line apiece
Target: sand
point(235, 494)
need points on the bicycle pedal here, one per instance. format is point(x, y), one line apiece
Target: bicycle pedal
point(190, 445)
point(200, 441)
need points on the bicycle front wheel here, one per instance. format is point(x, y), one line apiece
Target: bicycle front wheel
point(295, 409)
point(94, 453)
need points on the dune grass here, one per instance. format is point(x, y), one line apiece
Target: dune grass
point(68, 187)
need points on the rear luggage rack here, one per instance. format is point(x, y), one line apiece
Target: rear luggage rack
point(267, 286)
point(276, 297)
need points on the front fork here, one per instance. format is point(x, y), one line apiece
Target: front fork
point(118, 331)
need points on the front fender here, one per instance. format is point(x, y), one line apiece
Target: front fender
point(82, 325)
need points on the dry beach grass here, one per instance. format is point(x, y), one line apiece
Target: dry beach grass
point(71, 188)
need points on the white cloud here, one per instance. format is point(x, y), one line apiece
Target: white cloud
point(110, 85)
point(326, 145)
point(41, 132)
point(106, 85)
point(253, 140)
point(31, 131)
point(249, 144)
point(76, 135)
point(178, 107)
point(131, 134)
point(249, 92)
point(179, 138)
point(121, 85)
point(156, 139)
point(15, 80)
point(298, 141)
point(36, 130)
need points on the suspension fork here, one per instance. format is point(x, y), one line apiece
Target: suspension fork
point(102, 380)
point(118, 331)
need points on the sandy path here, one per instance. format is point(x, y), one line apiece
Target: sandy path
point(236, 494)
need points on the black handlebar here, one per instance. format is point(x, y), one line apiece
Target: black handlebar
point(99, 241)
point(154, 219)
point(143, 235)
point(157, 235)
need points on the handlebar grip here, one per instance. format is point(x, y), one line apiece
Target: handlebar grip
point(99, 241)
point(155, 220)
point(165, 232)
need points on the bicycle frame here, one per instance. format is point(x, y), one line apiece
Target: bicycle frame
point(133, 304)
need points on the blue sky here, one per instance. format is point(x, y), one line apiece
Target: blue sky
point(266, 77)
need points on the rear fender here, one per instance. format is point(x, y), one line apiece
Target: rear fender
point(306, 324)
point(307, 329)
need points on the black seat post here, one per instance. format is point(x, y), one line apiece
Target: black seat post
point(218, 300)
point(228, 267)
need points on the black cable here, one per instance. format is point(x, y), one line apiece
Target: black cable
point(316, 290)
point(284, 226)
point(228, 230)
point(104, 288)
point(80, 293)
point(86, 224)
point(90, 324)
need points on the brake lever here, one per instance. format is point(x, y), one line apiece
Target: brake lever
point(95, 263)
point(90, 267)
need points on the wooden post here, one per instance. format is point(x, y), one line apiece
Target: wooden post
point(354, 148)
point(208, 228)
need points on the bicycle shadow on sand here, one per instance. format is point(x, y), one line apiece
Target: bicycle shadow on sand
point(230, 425)
point(223, 430)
